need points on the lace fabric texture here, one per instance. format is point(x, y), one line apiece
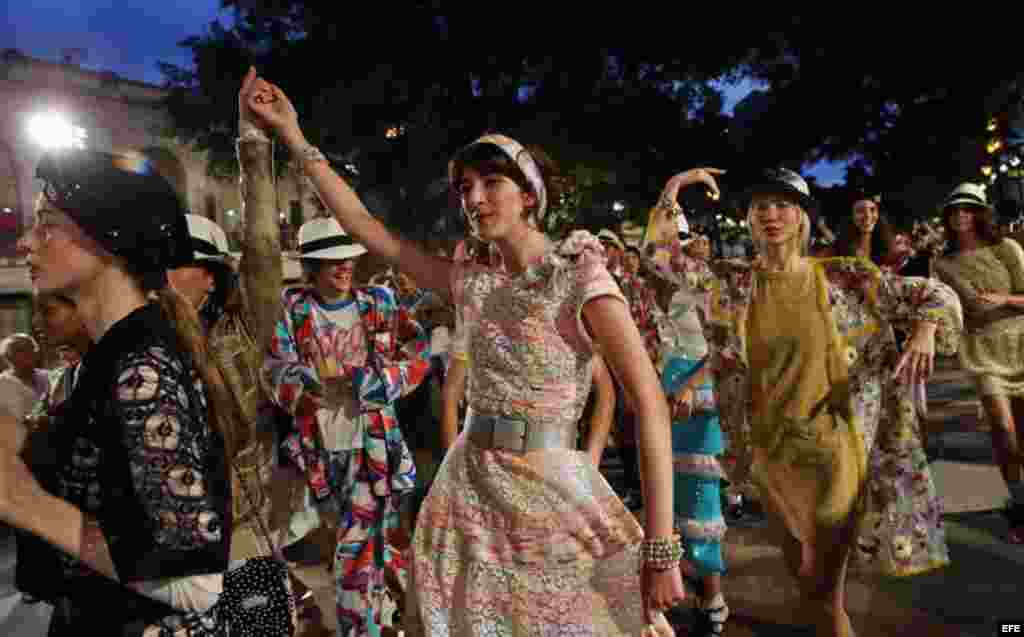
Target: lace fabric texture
point(534, 543)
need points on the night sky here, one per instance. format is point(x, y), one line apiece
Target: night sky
point(129, 37)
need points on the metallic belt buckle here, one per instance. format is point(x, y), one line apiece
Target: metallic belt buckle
point(509, 434)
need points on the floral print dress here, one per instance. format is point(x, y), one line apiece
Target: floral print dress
point(533, 544)
point(901, 532)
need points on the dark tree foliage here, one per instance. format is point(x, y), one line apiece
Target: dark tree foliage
point(622, 97)
point(439, 74)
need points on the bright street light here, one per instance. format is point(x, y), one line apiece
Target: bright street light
point(618, 206)
point(54, 132)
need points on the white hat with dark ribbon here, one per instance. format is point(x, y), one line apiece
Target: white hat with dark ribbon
point(323, 238)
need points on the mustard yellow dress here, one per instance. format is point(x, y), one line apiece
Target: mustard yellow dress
point(808, 459)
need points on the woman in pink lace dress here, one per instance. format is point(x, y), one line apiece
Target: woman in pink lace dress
point(520, 534)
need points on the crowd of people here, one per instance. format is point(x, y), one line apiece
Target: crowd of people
point(444, 424)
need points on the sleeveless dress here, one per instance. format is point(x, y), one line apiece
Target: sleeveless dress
point(535, 543)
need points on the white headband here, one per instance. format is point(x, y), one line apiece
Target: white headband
point(681, 224)
point(522, 157)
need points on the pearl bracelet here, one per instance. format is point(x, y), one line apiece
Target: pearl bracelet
point(662, 553)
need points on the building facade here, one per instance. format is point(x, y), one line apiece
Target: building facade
point(108, 113)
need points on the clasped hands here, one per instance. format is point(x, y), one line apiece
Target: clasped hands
point(264, 106)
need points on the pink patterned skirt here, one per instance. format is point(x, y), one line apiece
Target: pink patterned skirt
point(536, 544)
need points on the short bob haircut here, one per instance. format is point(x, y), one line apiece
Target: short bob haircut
point(490, 159)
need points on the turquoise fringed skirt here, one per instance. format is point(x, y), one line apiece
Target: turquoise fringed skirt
point(696, 443)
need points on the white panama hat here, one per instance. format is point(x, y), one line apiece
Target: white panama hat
point(323, 238)
point(209, 242)
point(968, 194)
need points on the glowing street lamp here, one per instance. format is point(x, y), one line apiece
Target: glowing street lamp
point(54, 132)
point(618, 206)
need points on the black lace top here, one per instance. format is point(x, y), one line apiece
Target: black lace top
point(133, 447)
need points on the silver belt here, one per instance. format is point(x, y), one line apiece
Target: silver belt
point(509, 433)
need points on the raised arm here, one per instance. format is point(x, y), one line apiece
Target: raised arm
point(268, 103)
point(662, 254)
point(260, 271)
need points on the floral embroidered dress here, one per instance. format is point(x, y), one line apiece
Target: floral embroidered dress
point(356, 462)
point(533, 544)
point(901, 532)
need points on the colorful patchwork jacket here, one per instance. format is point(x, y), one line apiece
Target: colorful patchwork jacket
point(398, 361)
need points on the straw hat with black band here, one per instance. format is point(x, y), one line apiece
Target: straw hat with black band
point(210, 251)
point(324, 238)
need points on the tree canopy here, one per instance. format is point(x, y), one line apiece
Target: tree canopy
point(621, 99)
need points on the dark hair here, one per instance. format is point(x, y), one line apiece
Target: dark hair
point(225, 284)
point(490, 159)
point(984, 223)
point(848, 235)
point(191, 341)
